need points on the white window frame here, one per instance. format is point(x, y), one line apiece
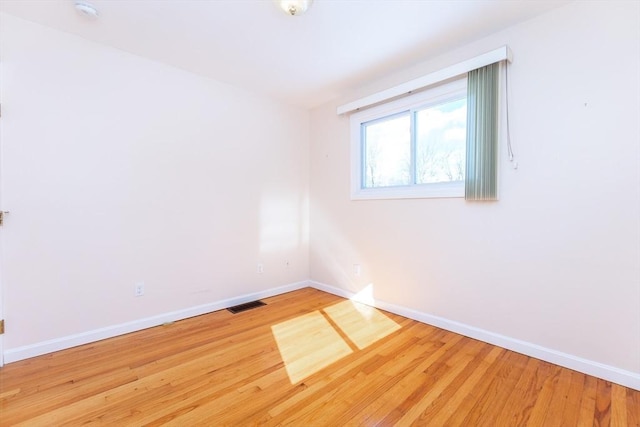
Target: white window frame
point(433, 96)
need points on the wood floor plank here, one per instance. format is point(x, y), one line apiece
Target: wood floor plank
point(371, 365)
point(229, 369)
point(358, 385)
point(553, 417)
point(375, 409)
point(403, 386)
point(465, 408)
point(544, 399)
point(588, 402)
point(490, 404)
point(450, 404)
point(618, 405)
point(520, 403)
point(603, 404)
point(571, 411)
point(424, 397)
point(633, 408)
point(326, 383)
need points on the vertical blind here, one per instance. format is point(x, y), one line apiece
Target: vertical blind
point(481, 178)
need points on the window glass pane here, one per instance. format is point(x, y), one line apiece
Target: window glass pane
point(440, 142)
point(387, 152)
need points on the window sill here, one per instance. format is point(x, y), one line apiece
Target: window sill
point(430, 191)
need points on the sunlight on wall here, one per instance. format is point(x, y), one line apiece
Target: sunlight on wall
point(365, 296)
point(335, 253)
point(280, 222)
point(309, 343)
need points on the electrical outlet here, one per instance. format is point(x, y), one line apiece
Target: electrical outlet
point(139, 289)
point(356, 270)
point(260, 269)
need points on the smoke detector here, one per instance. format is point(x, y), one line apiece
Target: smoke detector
point(86, 9)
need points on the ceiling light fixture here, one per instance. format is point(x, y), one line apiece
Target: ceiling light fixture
point(294, 7)
point(86, 9)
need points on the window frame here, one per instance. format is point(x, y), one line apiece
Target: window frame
point(442, 93)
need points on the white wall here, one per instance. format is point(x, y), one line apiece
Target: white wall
point(117, 169)
point(555, 262)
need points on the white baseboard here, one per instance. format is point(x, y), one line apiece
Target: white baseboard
point(25, 352)
point(596, 369)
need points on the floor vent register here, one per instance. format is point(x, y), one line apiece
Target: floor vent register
point(246, 306)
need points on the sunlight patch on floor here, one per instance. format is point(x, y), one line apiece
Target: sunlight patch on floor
point(362, 323)
point(307, 344)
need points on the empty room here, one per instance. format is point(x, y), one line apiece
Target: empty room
point(320, 213)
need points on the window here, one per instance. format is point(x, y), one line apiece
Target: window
point(412, 147)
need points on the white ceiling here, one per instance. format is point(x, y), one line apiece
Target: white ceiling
point(303, 60)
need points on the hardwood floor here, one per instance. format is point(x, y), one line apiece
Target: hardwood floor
point(306, 358)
